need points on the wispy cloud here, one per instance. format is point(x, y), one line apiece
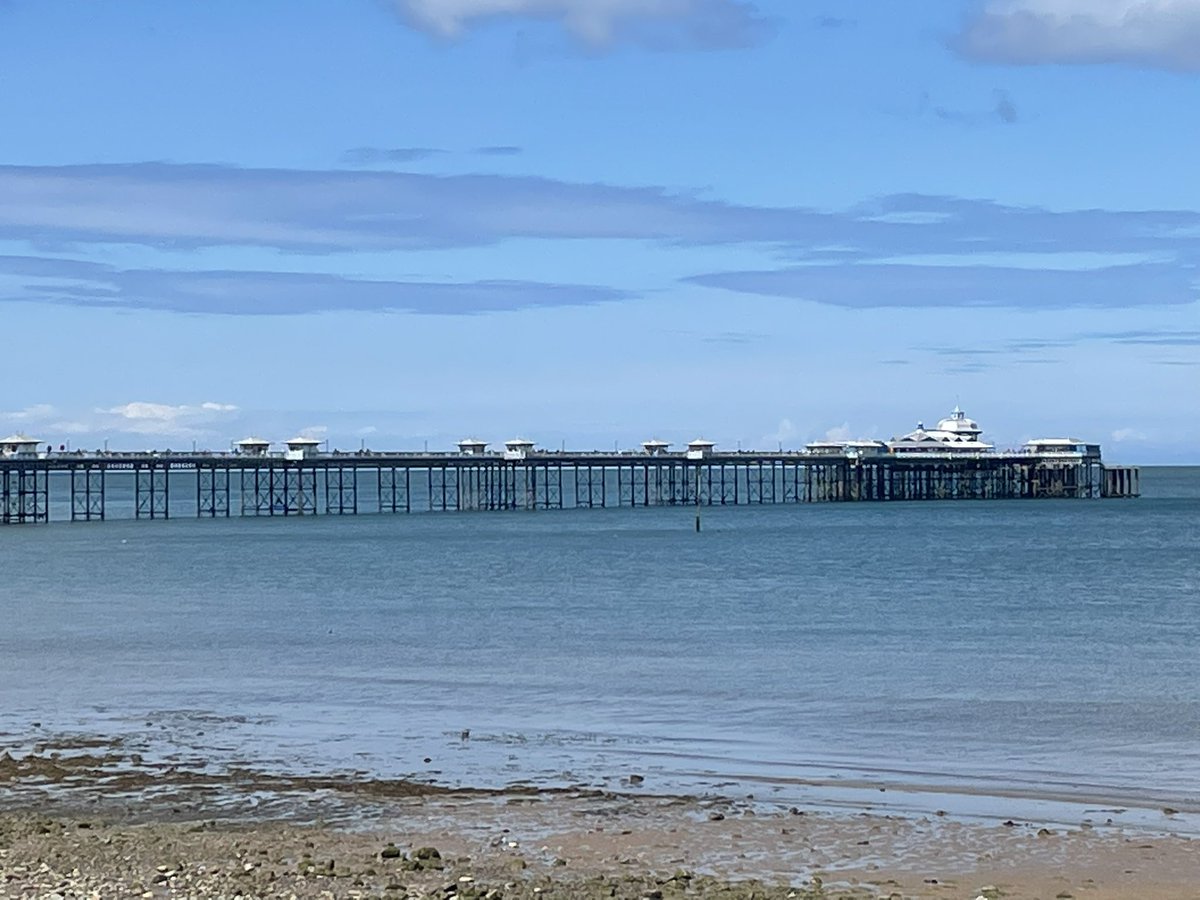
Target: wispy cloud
point(597, 24)
point(39, 412)
point(185, 206)
point(188, 206)
point(1126, 435)
point(373, 156)
point(923, 250)
point(734, 338)
point(871, 286)
point(839, 433)
point(969, 368)
point(498, 150)
point(1153, 338)
point(1002, 110)
point(785, 433)
point(1047, 351)
point(76, 283)
point(1154, 33)
point(43, 418)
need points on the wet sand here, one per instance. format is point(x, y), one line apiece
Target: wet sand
point(88, 819)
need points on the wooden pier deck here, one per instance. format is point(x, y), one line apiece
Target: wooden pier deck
point(151, 485)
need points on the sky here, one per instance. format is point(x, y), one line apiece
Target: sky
point(395, 224)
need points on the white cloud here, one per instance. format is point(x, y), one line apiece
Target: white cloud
point(1124, 435)
point(70, 427)
point(135, 418)
point(139, 411)
point(161, 419)
point(698, 23)
point(784, 434)
point(1156, 33)
point(316, 432)
point(839, 433)
point(39, 412)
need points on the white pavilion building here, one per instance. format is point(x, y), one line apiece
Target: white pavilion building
point(955, 434)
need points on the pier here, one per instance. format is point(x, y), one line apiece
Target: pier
point(84, 487)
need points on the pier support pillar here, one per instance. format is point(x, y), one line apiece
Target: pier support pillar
point(212, 492)
point(393, 490)
point(151, 492)
point(24, 496)
point(87, 493)
point(341, 491)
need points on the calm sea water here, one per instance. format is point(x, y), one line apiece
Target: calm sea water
point(1039, 648)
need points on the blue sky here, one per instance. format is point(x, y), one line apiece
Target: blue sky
point(590, 222)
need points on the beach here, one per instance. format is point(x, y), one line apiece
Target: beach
point(93, 820)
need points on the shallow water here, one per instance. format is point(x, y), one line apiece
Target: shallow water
point(1036, 648)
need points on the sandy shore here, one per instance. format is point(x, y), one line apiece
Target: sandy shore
point(90, 822)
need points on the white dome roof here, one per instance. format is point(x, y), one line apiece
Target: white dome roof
point(958, 423)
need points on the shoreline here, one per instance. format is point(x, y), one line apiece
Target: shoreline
point(53, 767)
point(77, 803)
point(534, 845)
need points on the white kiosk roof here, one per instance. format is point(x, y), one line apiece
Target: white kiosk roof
point(20, 439)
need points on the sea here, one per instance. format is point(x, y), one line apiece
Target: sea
point(988, 659)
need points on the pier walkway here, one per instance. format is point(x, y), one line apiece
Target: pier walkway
point(153, 485)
